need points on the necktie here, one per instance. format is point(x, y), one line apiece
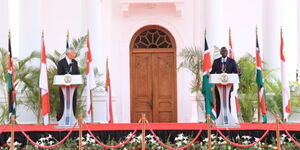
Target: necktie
point(70, 67)
point(223, 67)
point(223, 64)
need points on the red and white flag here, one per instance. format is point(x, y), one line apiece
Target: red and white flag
point(43, 84)
point(90, 80)
point(286, 97)
point(109, 111)
point(231, 54)
point(234, 96)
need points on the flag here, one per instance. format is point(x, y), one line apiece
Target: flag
point(234, 96)
point(206, 86)
point(10, 80)
point(90, 79)
point(231, 54)
point(286, 102)
point(260, 82)
point(43, 84)
point(67, 41)
point(109, 112)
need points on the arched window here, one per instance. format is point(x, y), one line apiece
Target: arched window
point(153, 38)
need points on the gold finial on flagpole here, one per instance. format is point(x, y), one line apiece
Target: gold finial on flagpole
point(281, 30)
point(205, 32)
point(106, 67)
point(256, 29)
point(229, 30)
point(43, 34)
point(9, 34)
point(88, 34)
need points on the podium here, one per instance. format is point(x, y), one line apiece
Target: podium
point(224, 83)
point(68, 84)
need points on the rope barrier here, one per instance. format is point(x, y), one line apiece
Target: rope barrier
point(154, 135)
point(168, 147)
point(289, 135)
point(240, 145)
point(5, 126)
point(47, 147)
point(114, 146)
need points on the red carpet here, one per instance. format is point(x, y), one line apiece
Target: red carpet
point(155, 126)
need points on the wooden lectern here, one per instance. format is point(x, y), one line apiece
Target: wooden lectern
point(68, 84)
point(224, 82)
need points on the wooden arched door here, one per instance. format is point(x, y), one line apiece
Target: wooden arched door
point(153, 75)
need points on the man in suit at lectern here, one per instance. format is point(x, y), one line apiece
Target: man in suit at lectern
point(67, 65)
point(224, 64)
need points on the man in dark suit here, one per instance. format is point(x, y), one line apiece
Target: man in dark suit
point(67, 65)
point(223, 64)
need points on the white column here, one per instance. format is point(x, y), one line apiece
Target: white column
point(13, 25)
point(198, 36)
point(113, 51)
point(276, 14)
point(213, 22)
point(29, 27)
point(3, 39)
point(4, 23)
point(272, 20)
point(290, 33)
point(197, 113)
point(92, 21)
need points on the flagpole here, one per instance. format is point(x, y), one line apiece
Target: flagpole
point(68, 35)
point(91, 96)
point(39, 102)
point(67, 42)
point(258, 105)
point(6, 93)
point(39, 109)
point(230, 48)
point(284, 119)
point(258, 88)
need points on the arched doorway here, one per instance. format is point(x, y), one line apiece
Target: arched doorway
point(153, 75)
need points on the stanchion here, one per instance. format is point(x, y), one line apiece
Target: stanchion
point(12, 132)
point(277, 132)
point(80, 131)
point(208, 131)
point(143, 131)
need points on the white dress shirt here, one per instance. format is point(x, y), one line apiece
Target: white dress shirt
point(223, 60)
point(68, 60)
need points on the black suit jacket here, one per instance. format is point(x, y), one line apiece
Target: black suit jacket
point(62, 69)
point(230, 66)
